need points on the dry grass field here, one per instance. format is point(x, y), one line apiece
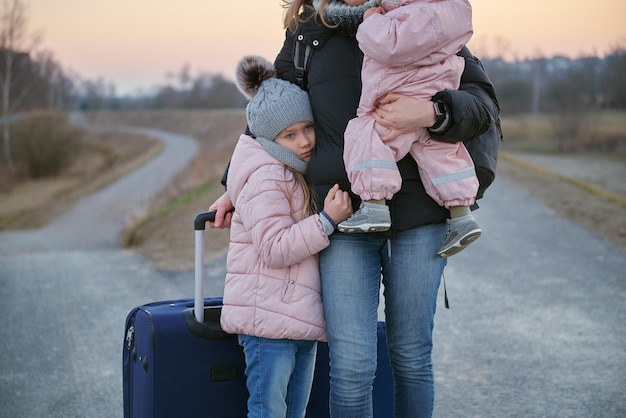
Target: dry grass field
point(165, 233)
point(104, 157)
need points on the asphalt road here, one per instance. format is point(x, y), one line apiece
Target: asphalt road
point(536, 326)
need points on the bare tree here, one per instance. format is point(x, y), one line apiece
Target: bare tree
point(51, 82)
point(614, 77)
point(573, 104)
point(15, 42)
point(96, 94)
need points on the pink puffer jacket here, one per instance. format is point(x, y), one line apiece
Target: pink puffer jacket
point(272, 287)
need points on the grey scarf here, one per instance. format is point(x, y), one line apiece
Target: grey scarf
point(346, 17)
point(283, 154)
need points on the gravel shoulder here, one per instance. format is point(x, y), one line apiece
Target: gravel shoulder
point(588, 189)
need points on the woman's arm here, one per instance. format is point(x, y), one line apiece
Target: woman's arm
point(474, 107)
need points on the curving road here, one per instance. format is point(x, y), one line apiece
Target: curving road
point(537, 325)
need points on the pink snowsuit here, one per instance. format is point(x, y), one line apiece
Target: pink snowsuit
point(410, 50)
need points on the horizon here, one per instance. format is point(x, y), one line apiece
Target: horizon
point(100, 40)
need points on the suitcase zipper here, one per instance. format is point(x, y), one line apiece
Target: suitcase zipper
point(130, 334)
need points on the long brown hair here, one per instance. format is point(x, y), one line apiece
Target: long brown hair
point(294, 8)
point(300, 182)
point(291, 19)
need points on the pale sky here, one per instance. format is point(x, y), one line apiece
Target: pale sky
point(133, 44)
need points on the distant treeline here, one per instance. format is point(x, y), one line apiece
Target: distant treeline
point(550, 84)
point(524, 86)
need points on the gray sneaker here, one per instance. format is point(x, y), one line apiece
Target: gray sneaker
point(371, 217)
point(459, 236)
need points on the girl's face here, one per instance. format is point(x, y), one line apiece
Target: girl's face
point(354, 2)
point(299, 138)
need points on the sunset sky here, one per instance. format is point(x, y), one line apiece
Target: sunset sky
point(133, 44)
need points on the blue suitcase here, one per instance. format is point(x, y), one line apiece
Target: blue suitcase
point(172, 369)
point(177, 362)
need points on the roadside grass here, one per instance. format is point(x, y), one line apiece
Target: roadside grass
point(585, 186)
point(534, 133)
point(131, 236)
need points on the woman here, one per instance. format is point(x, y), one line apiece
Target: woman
point(406, 255)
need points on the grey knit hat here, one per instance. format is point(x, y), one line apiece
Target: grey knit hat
point(274, 104)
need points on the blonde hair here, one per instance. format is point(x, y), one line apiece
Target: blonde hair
point(294, 8)
point(300, 182)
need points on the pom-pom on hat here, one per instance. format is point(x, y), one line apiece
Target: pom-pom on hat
point(274, 104)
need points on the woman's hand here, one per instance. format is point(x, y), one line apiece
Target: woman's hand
point(223, 208)
point(338, 204)
point(402, 114)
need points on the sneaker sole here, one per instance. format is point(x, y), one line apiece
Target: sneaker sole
point(459, 245)
point(363, 228)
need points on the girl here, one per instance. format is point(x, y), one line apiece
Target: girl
point(272, 295)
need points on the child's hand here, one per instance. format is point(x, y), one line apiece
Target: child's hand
point(338, 204)
point(378, 10)
point(223, 207)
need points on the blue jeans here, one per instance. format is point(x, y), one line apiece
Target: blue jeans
point(279, 376)
point(351, 270)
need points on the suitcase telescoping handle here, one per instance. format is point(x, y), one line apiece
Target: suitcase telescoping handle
point(199, 226)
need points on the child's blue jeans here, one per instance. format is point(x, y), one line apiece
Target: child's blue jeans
point(279, 376)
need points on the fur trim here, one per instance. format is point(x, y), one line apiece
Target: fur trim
point(252, 71)
point(346, 18)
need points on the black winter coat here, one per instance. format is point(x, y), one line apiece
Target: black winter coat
point(334, 85)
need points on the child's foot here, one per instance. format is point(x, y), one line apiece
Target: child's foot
point(461, 233)
point(371, 217)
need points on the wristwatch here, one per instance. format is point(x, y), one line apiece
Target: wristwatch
point(441, 112)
